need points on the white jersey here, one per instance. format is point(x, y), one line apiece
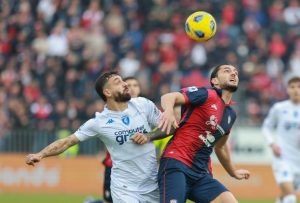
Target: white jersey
point(284, 118)
point(134, 166)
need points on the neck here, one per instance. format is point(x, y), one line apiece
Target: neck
point(295, 101)
point(226, 96)
point(116, 106)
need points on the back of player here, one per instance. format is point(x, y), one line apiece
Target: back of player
point(284, 119)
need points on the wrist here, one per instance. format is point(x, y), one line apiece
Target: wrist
point(149, 139)
point(169, 109)
point(42, 155)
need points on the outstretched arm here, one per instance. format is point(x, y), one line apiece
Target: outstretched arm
point(223, 153)
point(168, 118)
point(53, 149)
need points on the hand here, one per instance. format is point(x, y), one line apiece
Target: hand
point(31, 159)
point(167, 120)
point(276, 150)
point(140, 138)
point(241, 174)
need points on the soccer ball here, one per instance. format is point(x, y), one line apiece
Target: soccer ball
point(200, 26)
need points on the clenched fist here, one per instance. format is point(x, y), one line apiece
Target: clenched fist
point(31, 159)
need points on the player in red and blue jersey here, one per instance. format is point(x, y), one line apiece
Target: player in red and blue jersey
point(185, 170)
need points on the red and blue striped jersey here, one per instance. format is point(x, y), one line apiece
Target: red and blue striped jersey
point(205, 119)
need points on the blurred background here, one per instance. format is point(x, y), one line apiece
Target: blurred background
point(51, 52)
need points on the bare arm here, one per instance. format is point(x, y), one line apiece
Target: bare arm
point(170, 100)
point(223, 153)
point(168, 118)
point(53, 149)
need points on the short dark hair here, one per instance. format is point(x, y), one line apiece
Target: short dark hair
point(214, 73)
point(293, 80)
point(101, 82)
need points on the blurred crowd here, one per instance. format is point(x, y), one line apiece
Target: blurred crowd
point(51, 52)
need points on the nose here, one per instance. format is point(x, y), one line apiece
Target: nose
point(234, 73)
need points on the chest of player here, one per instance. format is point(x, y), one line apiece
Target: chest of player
point(210, 115)
point(289, 119)
point(120, 127)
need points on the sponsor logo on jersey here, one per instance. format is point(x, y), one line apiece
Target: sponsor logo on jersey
point(207, 139)
point(292, 125)
point(122, 136)
point(125, 120)
point(110, 121)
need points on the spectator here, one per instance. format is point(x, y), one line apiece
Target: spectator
point(54, 49)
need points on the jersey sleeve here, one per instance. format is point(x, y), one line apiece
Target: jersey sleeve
point(269, 125)
point(87, 130)
point(233, 119)
point(194, 96)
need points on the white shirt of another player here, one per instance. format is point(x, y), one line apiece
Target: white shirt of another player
point(134, 166)
point(284, 118)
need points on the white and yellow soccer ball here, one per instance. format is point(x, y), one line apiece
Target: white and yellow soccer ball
point(200, 26)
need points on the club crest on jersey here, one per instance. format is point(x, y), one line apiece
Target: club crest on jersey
point(125, 120)
point(296, 114)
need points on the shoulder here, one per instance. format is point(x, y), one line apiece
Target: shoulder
point(140, 101)
point(101, 116)
point(194, 89)
point(281, 105)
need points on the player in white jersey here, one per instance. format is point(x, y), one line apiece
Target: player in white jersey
point(133, 177)
point(284, 118)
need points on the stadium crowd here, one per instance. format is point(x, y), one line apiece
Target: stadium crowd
point(51, 52)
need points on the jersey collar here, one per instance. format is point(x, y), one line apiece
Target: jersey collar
point(219, 92)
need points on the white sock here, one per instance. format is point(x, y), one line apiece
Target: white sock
point(289, 199)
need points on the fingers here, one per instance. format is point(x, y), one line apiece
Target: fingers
point(139, 138)
point(166, 124)
point(31, 160)
point(247, 176)
point(243, 174)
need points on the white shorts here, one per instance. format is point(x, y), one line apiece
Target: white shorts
point(286, 172)
point(124, 196)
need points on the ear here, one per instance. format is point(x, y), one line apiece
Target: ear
point(107, 93)
point(215, 81)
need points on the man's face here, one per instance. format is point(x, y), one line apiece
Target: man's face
point(293, 91)
point(117, 89)
point(134, 87)
point(227, 78)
